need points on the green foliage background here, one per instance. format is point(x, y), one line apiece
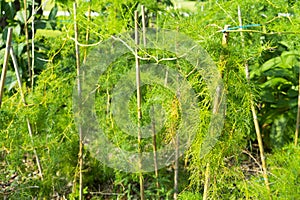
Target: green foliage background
point(271, 50)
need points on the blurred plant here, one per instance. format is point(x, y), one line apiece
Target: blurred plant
point(277, 79)
point(284, 176)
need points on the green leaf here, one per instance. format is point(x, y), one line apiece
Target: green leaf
point(286, 103)
point(292, 92)
point(20, 16)
point(8, 10)
point(291, 53)
point(270, 64)
point(287, 44)
point(40, 24)
point(2, 52)
point(279, 72)
point(10, 80)
point(288, 62)
point(53, 13)
point(274, 82)
point(17, 30)
point(20, 48)
point(1, 41)
point(267, 96)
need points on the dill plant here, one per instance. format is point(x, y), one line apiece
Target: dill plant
point(56, 140)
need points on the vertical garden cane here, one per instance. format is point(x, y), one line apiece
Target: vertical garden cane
point(80, 154)
point(139, 111)
point(298, 114)
point(216, 105)
point(5, 63)
point(32, 44)
point(9, 50)
point(27, 39)
point(152, 108)
point(87, 35)
point(253, 110)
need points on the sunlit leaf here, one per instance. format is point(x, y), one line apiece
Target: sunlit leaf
point(270, 64)
point(53, 13)
point(274, 82)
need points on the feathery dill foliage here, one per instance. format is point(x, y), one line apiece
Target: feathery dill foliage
point(233, 173)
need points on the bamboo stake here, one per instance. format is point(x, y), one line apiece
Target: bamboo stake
point(144, 25)
point(15, 63)
point(255, 120)
point(27, 39)
point(206, 183)
point(87, 36)
point(174, 131)
point(139, 111)
point(176, 167)
point(225, 36)
point(155, 152)
point(152, 108)
point(32, 44)
point(298, 115)
point(215, 110)
point(80, 154)
point(5, 63)
point(8, 51)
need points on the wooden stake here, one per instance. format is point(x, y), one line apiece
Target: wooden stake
point(215, 110)
point(32, 44)
point(176, 166)
point(206, 183)
point(225, 36)
point(152, 108)
point(298, 115)
point(155, 152)
point(5, 63)
point(27, 39)
point(255, 120)
point(80, 154)
point(144, 25)
point(139, 111)
point(8, 51)
point(15, 63)
point(87, 36)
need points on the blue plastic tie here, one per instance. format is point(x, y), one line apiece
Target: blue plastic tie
point(242, 27)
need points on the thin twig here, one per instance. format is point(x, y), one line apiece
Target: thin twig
point(86, 45)
point(148, 56)
point(256, 31)
point(249, 154)
point(108, 193)
point(226, 12)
